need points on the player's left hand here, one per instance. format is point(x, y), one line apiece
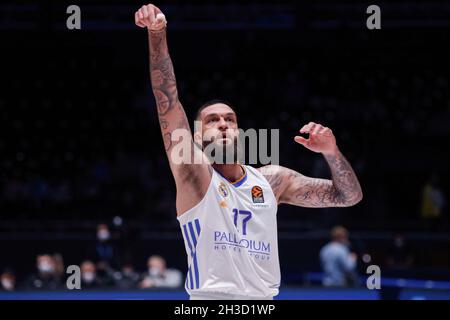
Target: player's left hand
point(321, 139)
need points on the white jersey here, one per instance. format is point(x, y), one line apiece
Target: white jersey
point(231, 239)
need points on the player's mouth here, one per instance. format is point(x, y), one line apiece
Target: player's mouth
point(224, 139)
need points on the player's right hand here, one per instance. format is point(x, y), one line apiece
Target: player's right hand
point(150, 17)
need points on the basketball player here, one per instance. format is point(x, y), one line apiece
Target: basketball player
point(227, 212)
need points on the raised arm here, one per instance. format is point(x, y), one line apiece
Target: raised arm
point(292, 187)
point(188, 176)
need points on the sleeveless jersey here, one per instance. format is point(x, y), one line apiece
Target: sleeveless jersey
point(231, 239)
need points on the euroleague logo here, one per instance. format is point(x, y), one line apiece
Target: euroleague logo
point(257, 194)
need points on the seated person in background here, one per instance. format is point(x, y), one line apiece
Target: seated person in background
point(399, 254)
point(158, 276)
point(89, 277)
point(128, 278)
point(7, 281)
point(338, 264)
point(106, 273)
point(46, 277)
point(60, 271)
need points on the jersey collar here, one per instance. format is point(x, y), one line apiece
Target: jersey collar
point(239, 181)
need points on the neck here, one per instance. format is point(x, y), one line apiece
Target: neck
point(232, 172)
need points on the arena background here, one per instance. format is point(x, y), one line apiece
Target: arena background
point(80, 143)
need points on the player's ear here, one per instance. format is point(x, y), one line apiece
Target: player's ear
point(198, 137)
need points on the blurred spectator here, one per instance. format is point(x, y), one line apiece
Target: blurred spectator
point(433, 199)
point(46, 277)
point(104, 251)
point(127, 279)
point(89, 278)
point(158, 276)
point(106, 273)
point(339, 265)
point(399, 255)
point(59, 266)
point(125, 239)
point(7, 281)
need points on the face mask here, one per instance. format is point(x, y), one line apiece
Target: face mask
point(155, 272)
point(127, 273)
point(88, 276)
point(7, 284)
point(103, 235)
point(45, 267)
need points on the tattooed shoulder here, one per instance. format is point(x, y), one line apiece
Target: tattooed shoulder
point(276, 178)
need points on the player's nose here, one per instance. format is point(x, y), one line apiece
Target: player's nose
point(223, 125)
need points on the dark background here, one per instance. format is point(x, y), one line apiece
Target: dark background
point(80, 141)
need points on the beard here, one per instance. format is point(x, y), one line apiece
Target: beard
point(222, 152)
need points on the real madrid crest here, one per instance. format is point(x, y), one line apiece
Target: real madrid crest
point(223, 190)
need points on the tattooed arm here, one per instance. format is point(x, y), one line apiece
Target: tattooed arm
point(192, 178)
point(291, 187)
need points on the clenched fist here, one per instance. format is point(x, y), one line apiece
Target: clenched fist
point(150, 17)
point(321, 139)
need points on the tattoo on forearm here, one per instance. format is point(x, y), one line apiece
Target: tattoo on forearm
point(345, 182)
point(161, 72)
point(294, 188)
point(342, 190)
point(170, 112)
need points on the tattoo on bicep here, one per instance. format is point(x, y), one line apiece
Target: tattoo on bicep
point(276, 184)
point(305, 195)
point(311, 192)
point(323, 194)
